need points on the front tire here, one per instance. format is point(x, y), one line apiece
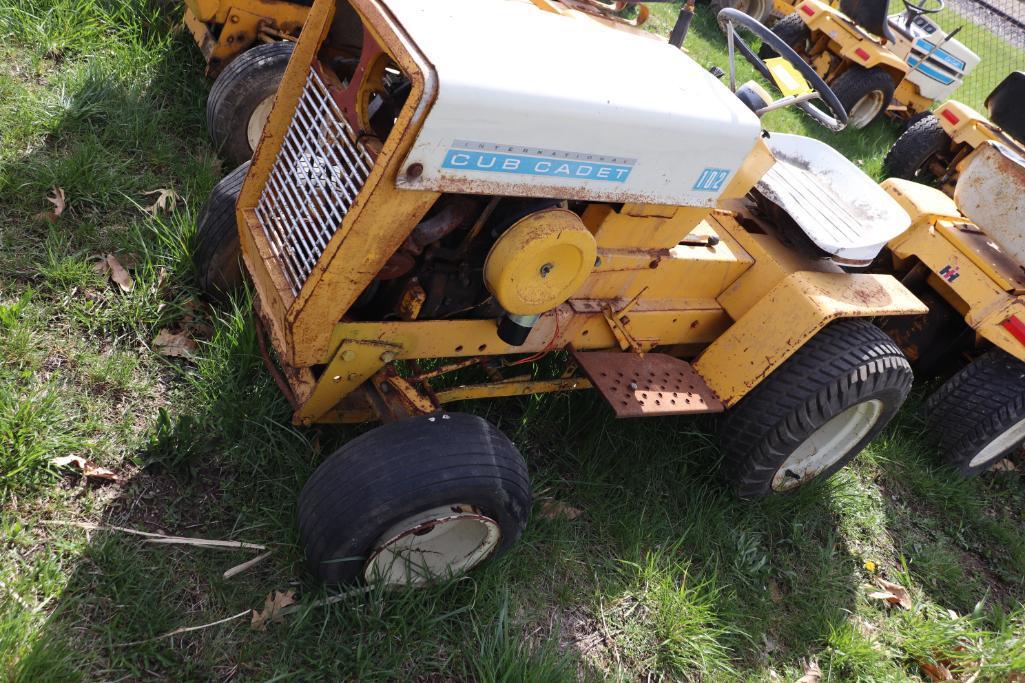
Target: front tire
point(794, 33)
point(978, 414)
point(864, 93)
point(911, 154)
point(241, 98)
point(218, 252)
point(413, 501)
point(815, 412)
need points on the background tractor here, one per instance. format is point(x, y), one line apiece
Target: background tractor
point(933, 148)
point(421, 228)
point(898, 65)
point(964, 258)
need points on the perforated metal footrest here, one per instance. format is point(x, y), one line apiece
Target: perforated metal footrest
point(636, 385)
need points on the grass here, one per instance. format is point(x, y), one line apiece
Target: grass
point(664, 576)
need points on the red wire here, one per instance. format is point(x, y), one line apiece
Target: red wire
point(543, 352)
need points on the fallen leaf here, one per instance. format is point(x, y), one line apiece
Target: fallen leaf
point(892, 593)
point(118, 274)
point(89, 470)
point(174, 344)
point(166, 200)
point(58, 206)
point(775, 594)
point(812, 672)
point(937, 671)
point(1004, 465)
point(554, 509)
point(275, 602)
point(159, 284)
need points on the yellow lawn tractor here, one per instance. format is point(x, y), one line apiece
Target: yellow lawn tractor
point(877, 64)
point(964, 258)
point(933, 148)
point(422, 227)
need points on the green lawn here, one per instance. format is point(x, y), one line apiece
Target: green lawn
point(664, 575)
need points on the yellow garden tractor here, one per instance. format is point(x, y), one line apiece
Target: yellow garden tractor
point(933, 148)
point(422, 227)
point(877, 64)
point(963, 257)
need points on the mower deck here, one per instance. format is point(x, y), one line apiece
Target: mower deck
point(641, 385)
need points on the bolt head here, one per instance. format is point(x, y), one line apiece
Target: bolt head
point(414, 170)
point(387, 356)
point(348, 355)
point(546, 268)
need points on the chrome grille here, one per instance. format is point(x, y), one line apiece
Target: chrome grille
point(316, 176)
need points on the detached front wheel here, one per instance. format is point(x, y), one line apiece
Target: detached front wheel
point(413, 501)
point(815, 412)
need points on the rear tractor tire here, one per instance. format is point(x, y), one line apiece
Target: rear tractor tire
point(910, 155)
point(978, 415)
point(760, 10)
point(864, 93)
point(414, 501)
point(815, 412)
point(241, 98)
point(793, 31)
point(218, 253)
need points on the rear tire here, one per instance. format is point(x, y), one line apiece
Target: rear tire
point(910, 155)
point(240, 99)
point(368, 501)
point(794, 33)
point(864, 93)
point(815, 412)
point(758, 9)
point(978, 415)
point(218, 253)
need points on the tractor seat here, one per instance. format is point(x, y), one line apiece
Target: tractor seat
point(989, 191)
point(839, 209)
point(1006, 105)
point(870, 15)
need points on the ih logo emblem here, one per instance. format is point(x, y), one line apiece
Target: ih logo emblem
point(711, 179)
point(949, 273)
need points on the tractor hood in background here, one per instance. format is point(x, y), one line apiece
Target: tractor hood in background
point(537, 104)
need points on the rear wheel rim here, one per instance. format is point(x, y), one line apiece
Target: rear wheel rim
point(827, 445)
point(1001, 445)
point(257, 120)
point(435, 544)
point(866, 109)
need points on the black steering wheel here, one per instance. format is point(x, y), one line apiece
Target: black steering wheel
point(920, 8)
point(835, 119)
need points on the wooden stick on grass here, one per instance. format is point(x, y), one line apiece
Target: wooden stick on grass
point(161, 538)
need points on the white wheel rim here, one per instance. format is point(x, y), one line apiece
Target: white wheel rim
point(435, 544)
point(257, 120)
point(1000, 445)
point(866, 109)
point(827, 445)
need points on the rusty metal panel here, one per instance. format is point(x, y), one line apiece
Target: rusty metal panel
point(640, 385)
point(785, 318)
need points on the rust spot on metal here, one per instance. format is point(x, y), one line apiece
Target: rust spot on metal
point(636, 385)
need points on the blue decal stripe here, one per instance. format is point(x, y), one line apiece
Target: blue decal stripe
point(494, 162)
point(931, 73)
point(941, 55)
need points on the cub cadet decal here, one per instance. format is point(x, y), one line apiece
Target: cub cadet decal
point(488, 157)
point(949, 273)
point(711, 179)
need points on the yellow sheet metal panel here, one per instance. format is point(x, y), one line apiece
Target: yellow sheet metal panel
point(786, 317)
point(920, 200)
point(354, 362)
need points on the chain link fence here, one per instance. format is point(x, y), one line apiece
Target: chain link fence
point(992, 29)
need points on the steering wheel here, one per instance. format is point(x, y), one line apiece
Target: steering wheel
point(835, 119)
point(920, 8)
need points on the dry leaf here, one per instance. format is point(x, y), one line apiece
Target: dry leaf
point(175, 344)
point(937, 671)
point(159, 284)
point(775, 594)
point(1004, 465)
point(119, 275)
point(812, 672)
point(554, 509)
point(89, 470)
point(166, 200)
point(273, 605)
point(58, 205)
point(892, 594)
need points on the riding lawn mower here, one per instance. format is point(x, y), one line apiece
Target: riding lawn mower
point(425, 220)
